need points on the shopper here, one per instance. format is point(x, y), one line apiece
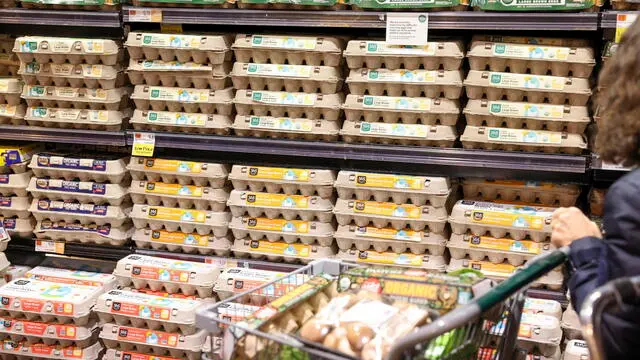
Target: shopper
point(597, 258)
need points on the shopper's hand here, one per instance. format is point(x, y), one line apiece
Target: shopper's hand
point(569, 224)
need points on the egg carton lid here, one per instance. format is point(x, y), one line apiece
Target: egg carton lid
point(172, 94)
point(533, 40)
point(243, 198)
point(72, 277)
point(149, 267)
point(546, 187)
point(282, 175)
point(202, 42)
point(567, 85)
point(462, 208)
point(81, 188)
point(512, 109)
point(552, 279)
point(143, 187)
point(67, 230)
point(318, 127)
point(323, 44)
point(381, 48)
point(434, 185)
point(400, 131)
point(388, 210)
point(298, 251)
point(48, 330)
point(543, 306)
point(15, 180)
point(130, 334)
point(163, 213)
point(178, 167)
point(77, 116)
point(407, 259)
point(369, 233)
point(43, 351)
point(89, 71)
point(313, 228)
point(565, 54)
point(401, 104)
point(180, 68)
point(115, 354)
point(399, 76)
point(10, 85)
point(275, 98)
point(524, 137)
point(304, 72)
point(61, 45)
point(65, 93)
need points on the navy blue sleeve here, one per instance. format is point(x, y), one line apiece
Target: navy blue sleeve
point(588, 268)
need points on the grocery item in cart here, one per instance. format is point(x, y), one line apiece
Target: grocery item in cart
point(179, 74)
point(542, 306)
point(83, 191)
point(15, 206)
point(289, 104)
point(198, 123)
point(67, 50)
point(522, 140)
point(381, 240)
point(280, 250)
point(26, 350)
point(177, 195)
point(85, 213)
point(497, 250)
point(552, 280)
point(16, 227)
point(184, 242)
point(85, 167)
point(73, 277)
point(182, 172)
point(289, 231)
point(571, 324)
point(76, 98)
point(307, 182)
point(290, 207)
point(402, 82)
point(233, 281)
point(287, 128)
point(173, 219)
point(285, 77)
point(576, 350)
point(107, 120)
point(76, 76)
point(432, 263)
point(285, 49)
point(546, 5)
point(539, 332)
point(374, 54)
point(49, 333)
point(201, 49)
point(549, 194)
point(401, 134)
point(12, 114)
point(176, 99)
point(83, 233)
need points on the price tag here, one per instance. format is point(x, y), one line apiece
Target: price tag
point(623, 22)
point(145, 15)
point(221, 262)
point(407, 28)
point(171, 28)
point(143, 144)
point(50, 246)
point(4, 235)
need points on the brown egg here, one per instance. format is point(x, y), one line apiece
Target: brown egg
point(359, 334)
point(314, 331)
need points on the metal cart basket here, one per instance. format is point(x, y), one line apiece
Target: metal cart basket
point(485, 329)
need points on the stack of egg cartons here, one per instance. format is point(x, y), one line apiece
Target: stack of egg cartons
point(80, 198)
point(287, 86)
point(403, 94)
point(180, 205)
point(528, 94)
point(390, 219)
point(12, 109)
point(575, 346)
point(282, 213)
point(181, 82)
point(540, 332)
point(73, 83)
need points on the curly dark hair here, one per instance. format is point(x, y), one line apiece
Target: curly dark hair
point(618, 102)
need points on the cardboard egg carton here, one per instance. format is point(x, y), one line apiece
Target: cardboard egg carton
point(283, 49)
point(172, 219)
point(543, 306)
point(429, 263)
point(549, 194)
point(233, 281)
point(535, 88)
point(307, 182)
point(398, 134)
point(520, 115)
point(497, 250)
point(571, 324)
point(176, 195)
point(280, 251)
point(201, 49)
point(159, 98)
point(15, 184)
point(182, 172)
point(490, 138)
point(518, 221)
point(178, 74)
point(624, 5)
point(10, 89)
point(85, 213)
point(83, 233)
point(77, 118)
point(286, 128)
point(181, 122)
point(42, 50)
point(4, 263)
point(400, 189)
point(529, 58)
point(46, 301)
point(32, 332)
point(317, 5)
point(383, 214)
point(129, 308)
point(22, 228)
point(284, 77)
point(182, 242)
point(14, 156)
point(115, 354)
point(15, 206)
point(82, 191)
point(285, 104)
point(289, 231)
point(77, 76)
point(72, 277)
point(408, 110)
point(233, 311)
point(173, 276)
point(539, 332)
point(365, 238)
point(290, 207)
point(76, 98)
point(401, 82)
point(551, 280)
point(83, 5)
point(10, 349)
point(85, 167)
point(12, 114)
point(373, 54)
point(15, 167)
point(576, 350)
point(533, 40)
point(15, 271)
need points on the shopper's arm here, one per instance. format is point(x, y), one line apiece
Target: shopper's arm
point(587, 260)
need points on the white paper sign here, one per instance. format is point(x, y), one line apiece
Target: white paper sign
point(407, 28)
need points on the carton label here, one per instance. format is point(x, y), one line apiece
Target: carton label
point(285, 124)
point(389, 258)
point(281, 225)
point(526, 81)
point(535, 306)
point(172, 65)
point(83, 187)
point(27, 327)
point(387, 209)
point(388, 233)
point(173, 41)
point(178, 94)
point(137, 356)
point(280, 248)
point(70, 114)
point(525, 110)
point(283, 42)
point(173, 166)
point(194, 239)
point(396, 103)
point(524, 220)
point(5, 201)
point(277, 200)
point(62, 162)
point(388, 181)
point(520, 246)
point(530, 51)
point(4, 178)
point(4, 85)
point(174, 214)
point(7, 110)
point(92, 71)
point(64, 226)
point(66, 92)
point(151, 337)
point(524, 136)
point(517, 183)
point(381, 47)
point(295, 71)
point(402, 75)
point(273, 173)
point(149, 310)
point(401, 130)
point(71, 206)
point(173, 189)
point(59, 69)
point(162, 274)
point(489, 269)
point(61, 45)
point(284, 98)
point(176, 118)
point(53, 350)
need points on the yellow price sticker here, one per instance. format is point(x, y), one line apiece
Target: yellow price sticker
point(623, 22)
point(171, 28)
point(143, 144)
point(50, 246)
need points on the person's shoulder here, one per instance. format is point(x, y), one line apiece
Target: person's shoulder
point(628, 181)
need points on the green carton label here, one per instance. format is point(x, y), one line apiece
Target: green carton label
point(406, 4)
point(527, 5)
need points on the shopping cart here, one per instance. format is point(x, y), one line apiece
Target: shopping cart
point(484, 329)
point(607, 298)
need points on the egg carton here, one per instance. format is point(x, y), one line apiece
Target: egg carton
point(15, 206)
point(233, 281)
point(539, 332)
point(571, 324)
point(519, 221)
point(624, 5)
point(408, 110)
point(47, 301)
point(22, 228)
point(234, 312)
point(429, 263)
point(286, 128)
point(4, 263)
point(198, 123)
point(419, 190)
point(317, 5)
point(176, 195)
point(290, 207)
point(490, 138)
point(201, 49)
point(398, 134)
point(72, 277)
point(76, 98)
point(159, 98)
point(285, 77)
point(555, 90)
point(10, 349)
point(15, 156)
point(32, 332)
point(14, 168)
point(182, 172)
point(280, 251)
point(307, 182)
point(178, 74)
point(551, 280)
point(373, 54)
point(364, 238)
point(283, 49)
point(284, 104)
point(85, 213)
point(383, 214)
point(10, 89)
point(77, 76)
point(12, 114)
point(543, 306)
point(529, 58)
point(289, 231)
point(576, 350)
point(82, 191)
point(549, 194)
point(115, 354)
point(60, 50)
point(172, 219)
point(182, 242)
point(82, 5)
point(76, 118)
point(129, 308)
point(497, 250)
point(533, 40)
point(161, 293)
point(15, 272)
point(15, 184)
point(401, 82)
point(572, 119)
point(153, 341)
point(86, 167)
point(83, 233)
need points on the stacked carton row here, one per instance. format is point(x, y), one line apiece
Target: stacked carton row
point(15, 216)
point(12, 108)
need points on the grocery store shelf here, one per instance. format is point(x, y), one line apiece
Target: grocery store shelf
point(54, 135)
point(101, 19)
point(92, 251)
point(608, 18)
point(606, 173)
